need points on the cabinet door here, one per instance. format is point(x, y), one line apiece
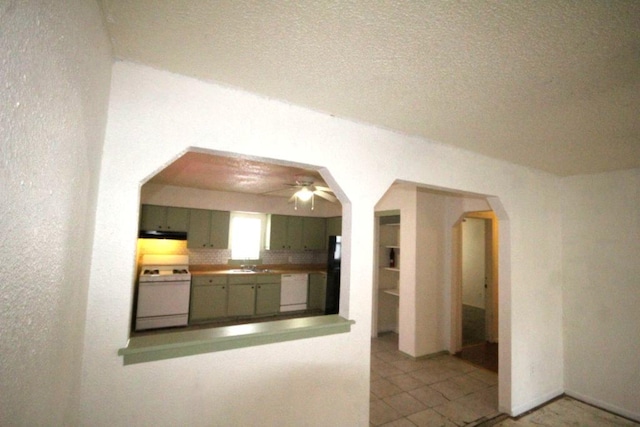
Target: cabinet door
point(208, 302)
point(334, 226)
point(153, 217)
point(177, 219)
point(219, 236)
point(317, 291)
point(278, 237)
point(313, 233)
point(294, 233)
point(242, 300)
point(267, 298)
point(199, 228)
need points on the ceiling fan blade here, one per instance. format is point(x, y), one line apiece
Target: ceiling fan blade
point(292, 198)
point(327, 196)
point(318, 187)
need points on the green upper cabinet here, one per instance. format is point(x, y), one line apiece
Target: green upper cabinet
point(208, 229)
point(313, 233)
point(154, 217)
point(334, 226)
point(302, 233)
point(294, 233)
point(278, 237)
point(286, 232)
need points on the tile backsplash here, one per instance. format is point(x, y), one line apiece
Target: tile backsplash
point(221, 256)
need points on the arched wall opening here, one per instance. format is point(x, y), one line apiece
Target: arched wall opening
point(199, 181)
point(426, 273)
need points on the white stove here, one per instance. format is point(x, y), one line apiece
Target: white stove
point(164, 288)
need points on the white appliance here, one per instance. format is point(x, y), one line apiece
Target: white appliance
point(293, 292)
point(164, 288)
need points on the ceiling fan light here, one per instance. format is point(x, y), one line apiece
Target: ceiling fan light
point(304, 194)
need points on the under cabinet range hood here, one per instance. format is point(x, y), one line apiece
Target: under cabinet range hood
point(162, 234)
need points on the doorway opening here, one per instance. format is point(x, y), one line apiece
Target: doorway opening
point(476, 294)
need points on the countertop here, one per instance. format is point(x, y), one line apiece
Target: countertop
point(202, 269)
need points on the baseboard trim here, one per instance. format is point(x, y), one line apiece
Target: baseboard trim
point(535, 403)
point(615, 410)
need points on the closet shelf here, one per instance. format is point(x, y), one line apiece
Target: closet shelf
point(394, 292)
point(391, 268)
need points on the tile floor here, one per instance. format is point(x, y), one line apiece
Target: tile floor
point(437, 391)
point(447, 391)
point(568, 412)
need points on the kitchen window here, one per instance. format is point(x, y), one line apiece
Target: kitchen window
point(247, 233)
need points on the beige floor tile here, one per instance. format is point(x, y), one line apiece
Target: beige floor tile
point(486, 376)
point(384, 369)
point(402, 422)
point(406, 382)
point(405, 404)
point(433, 374)
point(456, 387)
point(458, 413)
point(428, 396)
point(430, 418)
point(383, 388)
point(483, 403)
point(410, 365)
point(392, 356)
point(456, 364)
point(380, 413)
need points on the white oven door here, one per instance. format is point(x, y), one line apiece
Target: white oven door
point(163, 298)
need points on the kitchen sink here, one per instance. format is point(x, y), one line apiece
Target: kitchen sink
point(248, 271)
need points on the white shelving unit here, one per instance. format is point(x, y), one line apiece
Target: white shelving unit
point(388, 278)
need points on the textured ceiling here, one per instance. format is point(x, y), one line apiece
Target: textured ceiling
point(554, 85)
point(235, 174)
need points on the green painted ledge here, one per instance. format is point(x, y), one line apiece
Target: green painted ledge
point(148, 348)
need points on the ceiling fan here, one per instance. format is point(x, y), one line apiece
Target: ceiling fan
point(307, 190)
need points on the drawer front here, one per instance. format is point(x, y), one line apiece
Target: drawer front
point(268, 278)
point(242, 279)
point(209, 280)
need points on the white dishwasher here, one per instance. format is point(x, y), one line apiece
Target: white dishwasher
point(293, 292)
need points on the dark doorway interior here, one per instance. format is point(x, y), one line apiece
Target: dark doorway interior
point(484, 355)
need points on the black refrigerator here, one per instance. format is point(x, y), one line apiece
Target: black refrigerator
point(332, 303)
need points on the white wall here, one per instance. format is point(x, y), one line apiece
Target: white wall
point(473, 262)
point(601, 252)
point(153, 116)
point(55, 73)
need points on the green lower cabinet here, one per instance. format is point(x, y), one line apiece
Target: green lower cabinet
point(242, 300)
point(268, 298)
point(208, 298)
point(317, 291)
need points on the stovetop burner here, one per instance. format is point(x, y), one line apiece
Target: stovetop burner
point(152, 272)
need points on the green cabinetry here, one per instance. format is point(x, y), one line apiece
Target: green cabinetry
point(286, 232)
point(334, 226)
point(313, 233)
point(208, 229)
point(267, 294)
point(154, 217)
point(208, 298)
point(242, 295)
point(317, 291)
point(297, 233)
